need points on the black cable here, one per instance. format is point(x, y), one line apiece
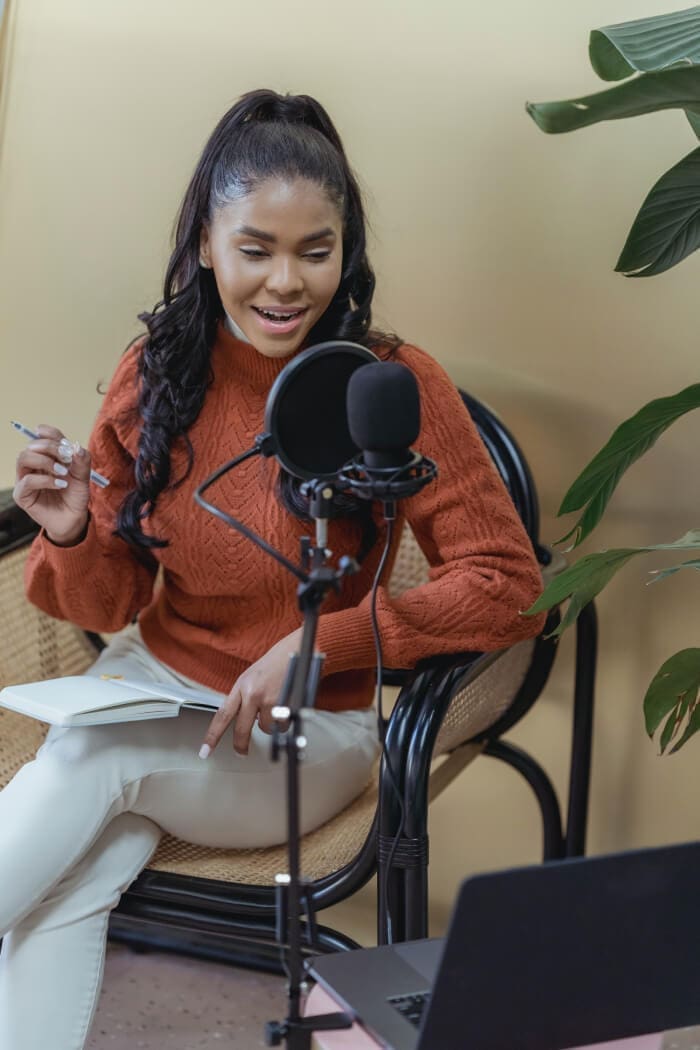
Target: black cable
point(238, 525)
point(382, 723)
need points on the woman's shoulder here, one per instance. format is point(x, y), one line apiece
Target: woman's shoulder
point(433, 379)
point(444, 415)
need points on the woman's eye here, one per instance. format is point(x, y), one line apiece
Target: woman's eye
point(317, 256)
point(254, 253)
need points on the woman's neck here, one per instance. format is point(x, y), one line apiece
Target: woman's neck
point(234, 329)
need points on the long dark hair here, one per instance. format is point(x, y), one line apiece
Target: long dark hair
point(264, 135)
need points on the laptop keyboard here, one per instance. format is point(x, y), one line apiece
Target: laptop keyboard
point(411, 1006)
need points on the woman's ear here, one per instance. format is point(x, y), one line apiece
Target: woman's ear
point(204, 250)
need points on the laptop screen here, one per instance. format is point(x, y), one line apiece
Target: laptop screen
point(572, 953)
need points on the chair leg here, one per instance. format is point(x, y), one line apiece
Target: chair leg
point(553, 839)
point(416, 903)
point(391, 897)
point(582, 737)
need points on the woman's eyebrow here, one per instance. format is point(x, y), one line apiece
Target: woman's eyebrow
point(317, 235)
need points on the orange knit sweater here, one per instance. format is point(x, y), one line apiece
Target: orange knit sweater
point(223, 603)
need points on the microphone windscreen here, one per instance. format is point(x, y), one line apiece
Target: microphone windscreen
point(306, 411)
point(383, 407)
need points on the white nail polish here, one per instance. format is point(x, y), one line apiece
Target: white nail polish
point(204, 751)
point(60, 483)
point(65, 453)
point(58, 468)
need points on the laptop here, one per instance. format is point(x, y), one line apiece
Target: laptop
point(547, 957)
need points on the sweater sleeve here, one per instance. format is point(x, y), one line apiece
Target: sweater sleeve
point(483, 572)
point(99, 583)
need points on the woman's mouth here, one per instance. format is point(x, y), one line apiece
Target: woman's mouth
point(279, 320)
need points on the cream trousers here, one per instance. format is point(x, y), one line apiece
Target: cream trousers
point(79, 822)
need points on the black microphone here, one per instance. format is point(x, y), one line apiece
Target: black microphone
point(383, 410)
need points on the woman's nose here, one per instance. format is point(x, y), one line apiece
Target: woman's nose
point(284, 277)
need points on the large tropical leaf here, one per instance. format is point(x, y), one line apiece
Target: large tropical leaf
point(667, 227)
point(673, 695)
point(646, 44)
point(677, 88)
point(595, 485)
point(581, 582)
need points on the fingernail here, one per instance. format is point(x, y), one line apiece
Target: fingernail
point(60, 469)
point(60, 483)
point(204, 751)
point(65, 452)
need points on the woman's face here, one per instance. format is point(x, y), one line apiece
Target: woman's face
point(277, 258)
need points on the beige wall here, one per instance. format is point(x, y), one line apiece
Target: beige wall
point(494, 247)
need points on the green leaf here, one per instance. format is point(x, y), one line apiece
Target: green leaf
point(661, 574)
point(596, 483)
point(585, 579)
point(692, 727)
point(677, 88)
point(669, 730)
point(646, 44)
point(581, 583)
point(667, 227)
point(673, 688)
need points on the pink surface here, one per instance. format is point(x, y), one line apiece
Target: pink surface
point(319, 1002)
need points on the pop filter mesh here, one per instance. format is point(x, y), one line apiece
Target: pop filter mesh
point(307, 413)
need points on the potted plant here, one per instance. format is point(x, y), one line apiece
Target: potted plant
point(657, 61)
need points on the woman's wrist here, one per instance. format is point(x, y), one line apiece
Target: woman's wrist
point(71, 539)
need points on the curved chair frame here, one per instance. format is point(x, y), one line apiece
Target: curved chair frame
point(236, 922)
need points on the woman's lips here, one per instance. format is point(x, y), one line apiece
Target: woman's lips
point(279, 321)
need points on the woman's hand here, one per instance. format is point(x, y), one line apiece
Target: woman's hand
point(253, 696)
point(53, 485)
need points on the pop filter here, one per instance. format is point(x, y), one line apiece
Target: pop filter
point(306, 419)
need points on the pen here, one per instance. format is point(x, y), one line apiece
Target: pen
point(99, 479)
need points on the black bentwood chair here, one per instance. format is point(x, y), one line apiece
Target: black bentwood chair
point(221, 903)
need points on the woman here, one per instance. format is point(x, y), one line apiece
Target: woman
point(269, 258)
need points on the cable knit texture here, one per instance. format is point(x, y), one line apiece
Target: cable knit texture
point(221, 603)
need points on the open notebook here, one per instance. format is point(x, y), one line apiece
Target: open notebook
point(89, 700)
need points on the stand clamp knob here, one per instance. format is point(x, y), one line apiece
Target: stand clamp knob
point(275, 1032)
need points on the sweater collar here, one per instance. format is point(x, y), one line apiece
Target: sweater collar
point(240, 360)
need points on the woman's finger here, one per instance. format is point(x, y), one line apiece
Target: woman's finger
point(30, 484)
point(31, 462)
point(220, 723)
point(45, 430)
point(245, 720)
point(265, 719)
point(63, 450)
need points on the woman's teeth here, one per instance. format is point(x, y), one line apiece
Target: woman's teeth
point(279, 316)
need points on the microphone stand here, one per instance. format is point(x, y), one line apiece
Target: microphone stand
point(298, 692)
